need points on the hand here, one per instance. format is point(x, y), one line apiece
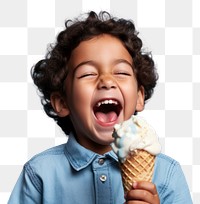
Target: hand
point(143, 192)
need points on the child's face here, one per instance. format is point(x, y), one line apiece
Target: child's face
point(101, 90)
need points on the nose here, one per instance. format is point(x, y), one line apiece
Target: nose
point(106, 82)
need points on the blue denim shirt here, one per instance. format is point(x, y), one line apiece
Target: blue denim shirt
point(69, 173)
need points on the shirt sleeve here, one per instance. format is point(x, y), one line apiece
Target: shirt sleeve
point(25, 190)
point(177, 191)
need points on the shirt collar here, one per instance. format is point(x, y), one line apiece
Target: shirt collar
point(80, 157)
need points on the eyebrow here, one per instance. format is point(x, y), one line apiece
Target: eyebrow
point(118, 61)
point(83, 63)
point(90, 62)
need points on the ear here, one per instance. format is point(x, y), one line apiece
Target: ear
point(59, 104)
point(140, 99)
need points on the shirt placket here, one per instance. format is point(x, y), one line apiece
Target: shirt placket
point(102, 181)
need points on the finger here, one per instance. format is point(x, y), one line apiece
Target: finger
point(145, 185)
point(139, 195)
point(136, 202)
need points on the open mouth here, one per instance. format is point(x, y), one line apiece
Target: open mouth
point(107, 111)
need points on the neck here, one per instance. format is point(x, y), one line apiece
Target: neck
point(93, 146)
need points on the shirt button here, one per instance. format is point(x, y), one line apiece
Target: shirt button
point(103, 178)
point(101, 161)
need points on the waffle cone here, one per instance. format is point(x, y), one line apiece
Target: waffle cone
point(138, 166)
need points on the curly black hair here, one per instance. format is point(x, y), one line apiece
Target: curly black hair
point(49, 74)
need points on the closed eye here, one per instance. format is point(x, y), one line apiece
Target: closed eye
point(87, 75)
point(124, 73)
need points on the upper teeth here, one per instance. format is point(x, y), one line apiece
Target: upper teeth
point(107, 102)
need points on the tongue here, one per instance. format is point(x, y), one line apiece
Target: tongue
point(106, 117)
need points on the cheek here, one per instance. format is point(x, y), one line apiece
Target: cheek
point(77, 104)
point(130, 98)
point(80, 99)
point(130, 89)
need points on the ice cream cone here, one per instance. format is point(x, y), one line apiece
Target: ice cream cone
point(136, 146)
point(138, 166)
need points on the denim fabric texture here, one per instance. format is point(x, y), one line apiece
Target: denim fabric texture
point(69, 173)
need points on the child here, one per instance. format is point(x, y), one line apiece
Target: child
point(95, 76)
